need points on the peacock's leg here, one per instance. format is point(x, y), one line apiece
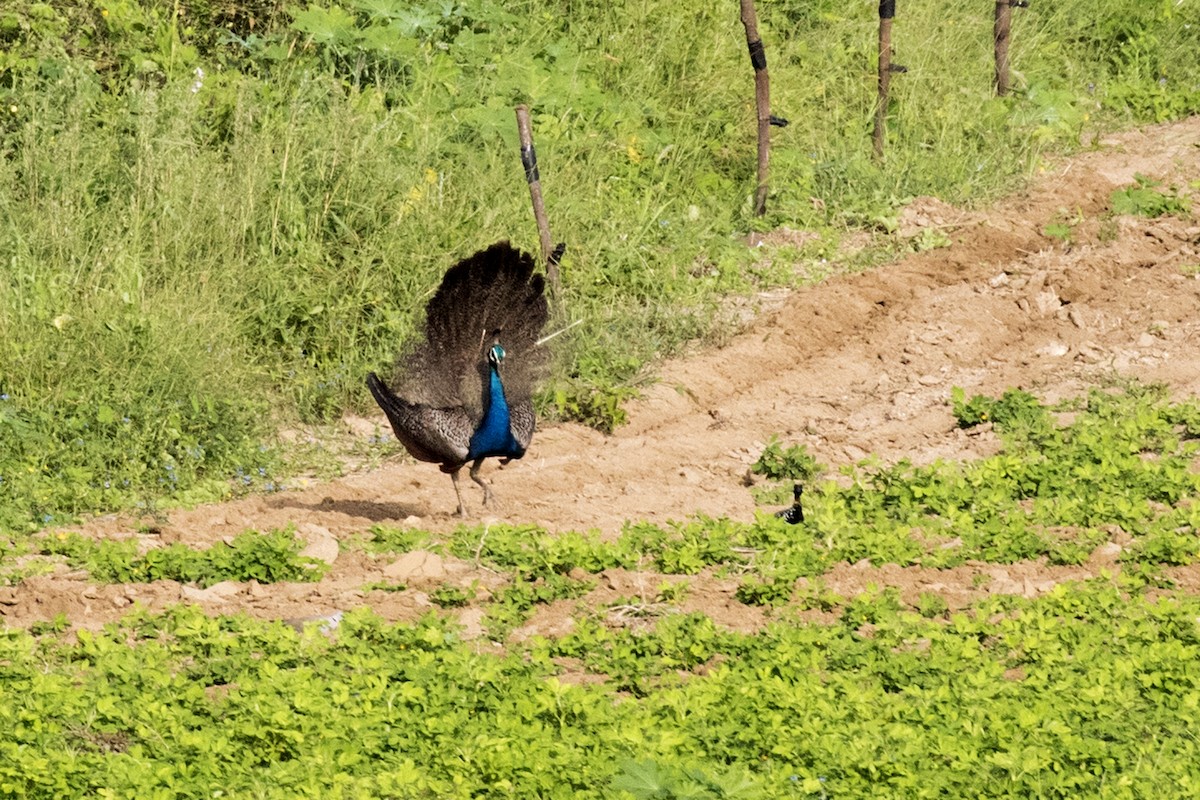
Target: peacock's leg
point(462, 510)
point(487, 490)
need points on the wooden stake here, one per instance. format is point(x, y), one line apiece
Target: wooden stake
point(1001, 31)
point(887, 11)
point(762, 101)
point(550, 254)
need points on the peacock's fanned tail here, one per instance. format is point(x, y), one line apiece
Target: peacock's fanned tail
point(491, 297)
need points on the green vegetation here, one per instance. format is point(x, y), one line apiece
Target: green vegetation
point(266, 558)
point(791, 463)
point(1063, 228)
point(216, 217)
point(70, 456)
point(448, 596)
point(1086, 692)
point(1146, 200)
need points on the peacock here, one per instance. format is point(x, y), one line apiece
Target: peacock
point(464, 388)
point(793, 515)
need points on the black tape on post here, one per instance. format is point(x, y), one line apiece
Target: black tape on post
point(758, 55)
point(529, 161)
point(887, 12)
point(762, 101)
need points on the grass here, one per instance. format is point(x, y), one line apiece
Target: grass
point(195, 258)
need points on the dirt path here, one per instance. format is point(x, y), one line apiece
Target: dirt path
point(858, 365)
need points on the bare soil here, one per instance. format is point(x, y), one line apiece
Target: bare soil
point(860, 364)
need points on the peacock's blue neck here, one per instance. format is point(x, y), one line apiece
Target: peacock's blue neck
point(494, 436)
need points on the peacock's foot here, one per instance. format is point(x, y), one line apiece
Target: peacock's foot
point(475, 476)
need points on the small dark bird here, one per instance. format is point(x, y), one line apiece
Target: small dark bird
point(464, 389)
point(795, 514)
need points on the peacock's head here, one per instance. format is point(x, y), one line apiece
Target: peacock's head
point(496, 355)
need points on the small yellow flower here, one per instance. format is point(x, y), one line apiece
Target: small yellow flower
point(430, 176)
point(12, 109)
point(415, 194)
point(104, 12)
point(632, 151)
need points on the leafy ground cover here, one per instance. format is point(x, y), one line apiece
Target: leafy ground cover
point(1087, 692)
point(265, 558)
point(217, 217)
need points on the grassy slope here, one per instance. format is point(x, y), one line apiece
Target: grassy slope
point(189, 261)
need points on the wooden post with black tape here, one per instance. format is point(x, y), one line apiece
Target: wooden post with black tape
point(762, 102)
point(551, 254)
point(887, 12)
